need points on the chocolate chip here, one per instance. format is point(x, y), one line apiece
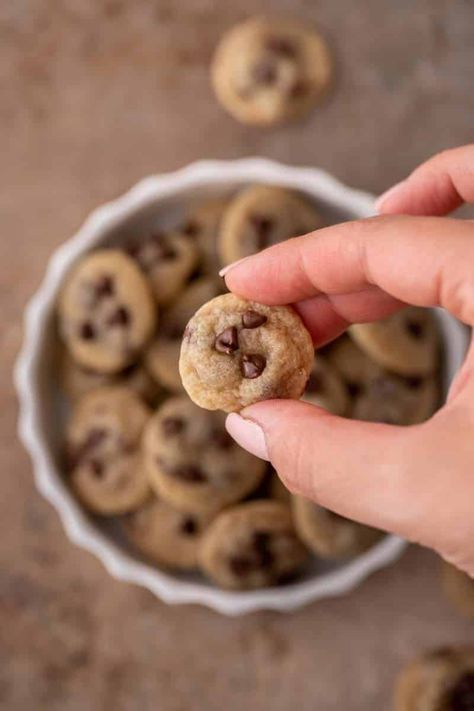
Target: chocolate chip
point(87, 331)
point(133, 249)
point(264, 73)
point(221, 439)
point(104, 287)
point(282, 46)
point(120, 317)
point(165, 251)
point(263, 227)
point(261, 543)
point(299, 89)
point(415, 329)
point(315, 383)
point(191, 228)
point(240, 566)
point(253, 365)
point(227, 341)
point(172, 425)
point(461, 697)
point(129, 370)
point(97, 468)
point(257, 557)
point(353, 389)
point(414, 383)
point(188, 527)
point(77, 455)
point(252, 319)
point(189, 473)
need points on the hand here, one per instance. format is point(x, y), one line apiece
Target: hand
point(415, 481)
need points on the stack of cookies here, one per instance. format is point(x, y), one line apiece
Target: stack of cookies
point(137, 449)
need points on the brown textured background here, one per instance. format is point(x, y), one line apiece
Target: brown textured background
point(95, 94)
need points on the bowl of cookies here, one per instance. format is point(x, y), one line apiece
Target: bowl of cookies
point(140, 475)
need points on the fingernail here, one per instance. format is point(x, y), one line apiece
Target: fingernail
point(388, 194)
point(226, 270)
point(247, 434)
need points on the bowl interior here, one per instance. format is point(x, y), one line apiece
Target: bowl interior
point(158, 205)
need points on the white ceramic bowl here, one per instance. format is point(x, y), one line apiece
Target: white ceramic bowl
point(42, 411)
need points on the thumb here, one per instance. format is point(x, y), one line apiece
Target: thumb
point(364, 471)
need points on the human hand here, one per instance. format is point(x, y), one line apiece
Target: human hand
point(415, 481)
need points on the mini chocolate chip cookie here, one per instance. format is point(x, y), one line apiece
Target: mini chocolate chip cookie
point(236, 352)
point(268, 71)
point(168, 259)
point(191, 461)
point(261, 216)
point(106, 311)
point(441, 680)
point(253, 545)
point(162, 356)
point(325, 388)
point(202, 224)
point(397, 401)
point(329, 535)
point(165, 535)
point(459, 589)
point(406, 342)
point(103, 457)
point(77, 381)
point(356, 369)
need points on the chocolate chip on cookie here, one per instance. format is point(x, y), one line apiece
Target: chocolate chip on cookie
point(239, 352)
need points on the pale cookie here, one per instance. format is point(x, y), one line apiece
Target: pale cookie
point(77, 381)
point(261, 216)
point(268, 71)
point(162, 356)
point(104, 459)
point(397, 401)
point(193, 463)
point(237, 352)
point(202, 224)
point(325, 388)
point(168, 259)
point(459, 589)
point(327, 534)
point(441, 680)
point(165, 535)
point(253, 545)
point(106, 311)
point(406, 342)
point(355, 368)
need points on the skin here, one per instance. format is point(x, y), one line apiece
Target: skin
point(414, 481)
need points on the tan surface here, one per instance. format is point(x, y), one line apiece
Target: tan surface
point(94, 95)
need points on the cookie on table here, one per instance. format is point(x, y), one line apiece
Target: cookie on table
point(459, 589)
point(165, 535)
point(103, 450)
point(325, 388)
point(440, 680)
point(329, 535)
point(397, 401)
point(236, 352)
point(202, 224)
point(168, 259)
point(191, 461)
point(406, 343)
point(266, 71)
point(252, 545)
point(77, 381)
point(106, 311)
point(162, 355)
point(261, 216)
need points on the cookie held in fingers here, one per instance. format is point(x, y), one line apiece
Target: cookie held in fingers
point(106, 311)
point(252, 545)
point(327, 534)
point(441, 680)
point(103, 450)
point(237, 352)
point(191, 461)
point(261, 216)
point(165, 535)
point(162, 355)
point(266, 71)
point(168, 260)
point(406, 343)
